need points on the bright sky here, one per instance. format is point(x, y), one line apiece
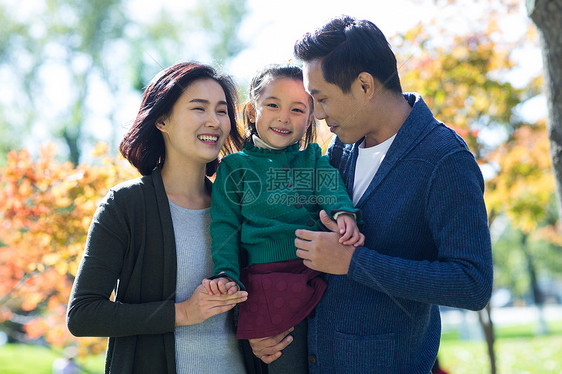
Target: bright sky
point(272, 26)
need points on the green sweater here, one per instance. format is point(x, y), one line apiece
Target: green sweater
point(262, 196)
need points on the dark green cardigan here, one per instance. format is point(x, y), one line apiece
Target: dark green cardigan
point(130, 248)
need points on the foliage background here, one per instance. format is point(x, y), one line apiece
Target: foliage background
point(73, 71)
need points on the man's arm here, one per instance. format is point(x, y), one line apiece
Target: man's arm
point(461, 275)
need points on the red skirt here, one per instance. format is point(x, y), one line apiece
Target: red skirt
point(280, 295)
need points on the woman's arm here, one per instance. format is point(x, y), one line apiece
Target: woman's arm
point(91, 312)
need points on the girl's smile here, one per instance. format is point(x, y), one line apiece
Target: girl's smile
point(282, 113)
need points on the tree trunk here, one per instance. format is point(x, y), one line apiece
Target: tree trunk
point(485, 318)
point(547, 15)
point(538, 298)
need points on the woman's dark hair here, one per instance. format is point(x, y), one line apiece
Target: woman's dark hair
point(258, 84)
point(143, 145)
point(348, 47)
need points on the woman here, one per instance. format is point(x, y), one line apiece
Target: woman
point(149, 238)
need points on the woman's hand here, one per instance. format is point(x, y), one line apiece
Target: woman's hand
point(202, 305)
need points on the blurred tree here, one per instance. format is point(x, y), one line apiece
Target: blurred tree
point(44, 219)
point(218, 22)
point(70, 65)
point(547, 15)
point(524, 190)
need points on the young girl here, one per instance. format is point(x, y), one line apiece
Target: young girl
point(262, 195)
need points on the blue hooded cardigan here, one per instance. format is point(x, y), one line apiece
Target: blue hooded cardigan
point(427, 244)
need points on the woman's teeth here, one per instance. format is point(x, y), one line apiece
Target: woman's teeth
point(208, 138)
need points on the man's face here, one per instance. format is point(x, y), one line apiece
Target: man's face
point(343, 112)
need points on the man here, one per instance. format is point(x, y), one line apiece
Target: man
point(420, 192)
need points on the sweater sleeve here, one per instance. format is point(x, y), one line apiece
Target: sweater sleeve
point(462, 274)
point(226, 220)
point(330, 190)
point(91, 312)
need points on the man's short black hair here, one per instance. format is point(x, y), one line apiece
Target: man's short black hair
point(348, 47)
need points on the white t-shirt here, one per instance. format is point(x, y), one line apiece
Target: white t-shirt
point(368, 162)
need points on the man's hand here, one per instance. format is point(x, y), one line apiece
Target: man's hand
point(322, 250)
point(269, 349)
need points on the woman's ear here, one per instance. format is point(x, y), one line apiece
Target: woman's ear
point(161, 125)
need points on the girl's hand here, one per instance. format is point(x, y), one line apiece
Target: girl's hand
point(202, 305)
point(220, 286)
point(347, 227)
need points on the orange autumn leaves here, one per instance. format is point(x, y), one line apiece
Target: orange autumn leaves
point(523, 188)
point(46, 208)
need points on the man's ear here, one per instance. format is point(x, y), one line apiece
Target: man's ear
point(368, 83)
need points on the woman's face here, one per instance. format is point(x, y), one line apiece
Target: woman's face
point(198, 125)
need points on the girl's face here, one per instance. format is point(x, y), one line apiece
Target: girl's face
point(282, 113)
point(198, 125)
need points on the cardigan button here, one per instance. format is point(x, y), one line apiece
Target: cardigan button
point(310, 223)
point(285, 168)
point(312, 359)
point(298, 205)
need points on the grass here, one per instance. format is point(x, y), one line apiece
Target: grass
point(514, 356)
point(23, 359)
point(518, 351)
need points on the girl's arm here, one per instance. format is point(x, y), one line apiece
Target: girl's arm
point(227, 220)
point(331, 187)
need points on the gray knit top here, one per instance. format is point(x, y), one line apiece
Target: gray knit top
point(210, 346)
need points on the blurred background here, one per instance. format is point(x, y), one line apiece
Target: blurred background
point(71, 78)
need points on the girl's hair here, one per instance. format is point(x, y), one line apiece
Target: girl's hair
point(143, 146)
point(258, 84)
